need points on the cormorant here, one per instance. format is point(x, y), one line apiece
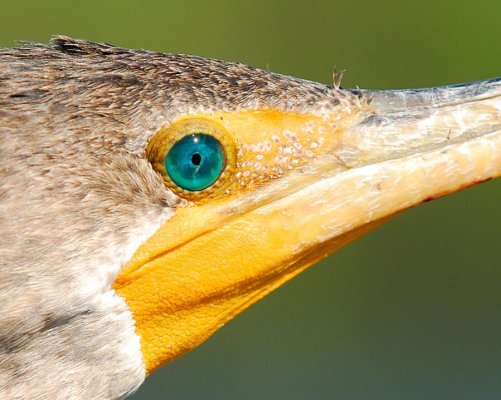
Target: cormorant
point(147, 198)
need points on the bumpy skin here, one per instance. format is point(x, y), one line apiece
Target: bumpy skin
point(77, 197)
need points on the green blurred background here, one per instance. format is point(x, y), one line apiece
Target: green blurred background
point(411, 311)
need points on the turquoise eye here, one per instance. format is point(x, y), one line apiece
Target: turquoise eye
point(195, 162)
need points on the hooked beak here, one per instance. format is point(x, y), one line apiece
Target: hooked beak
point(399, 148)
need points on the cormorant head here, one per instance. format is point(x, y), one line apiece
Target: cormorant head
point(148, 198)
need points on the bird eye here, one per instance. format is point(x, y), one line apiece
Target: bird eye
point(195, 162)
point(195, 156)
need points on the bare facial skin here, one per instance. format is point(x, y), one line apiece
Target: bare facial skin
point(110, 270)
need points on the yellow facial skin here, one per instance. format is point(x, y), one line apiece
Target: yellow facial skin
point(291, 199)
point(261, 146)
point(210, 261)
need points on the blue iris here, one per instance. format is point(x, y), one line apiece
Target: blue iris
point(195, 162)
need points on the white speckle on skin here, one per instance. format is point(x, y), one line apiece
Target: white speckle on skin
point(309, 127)
point(281, 159)
point(290, 136)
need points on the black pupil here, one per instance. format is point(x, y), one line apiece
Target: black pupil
point(196, 159)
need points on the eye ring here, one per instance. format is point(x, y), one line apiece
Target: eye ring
point(179, 135)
